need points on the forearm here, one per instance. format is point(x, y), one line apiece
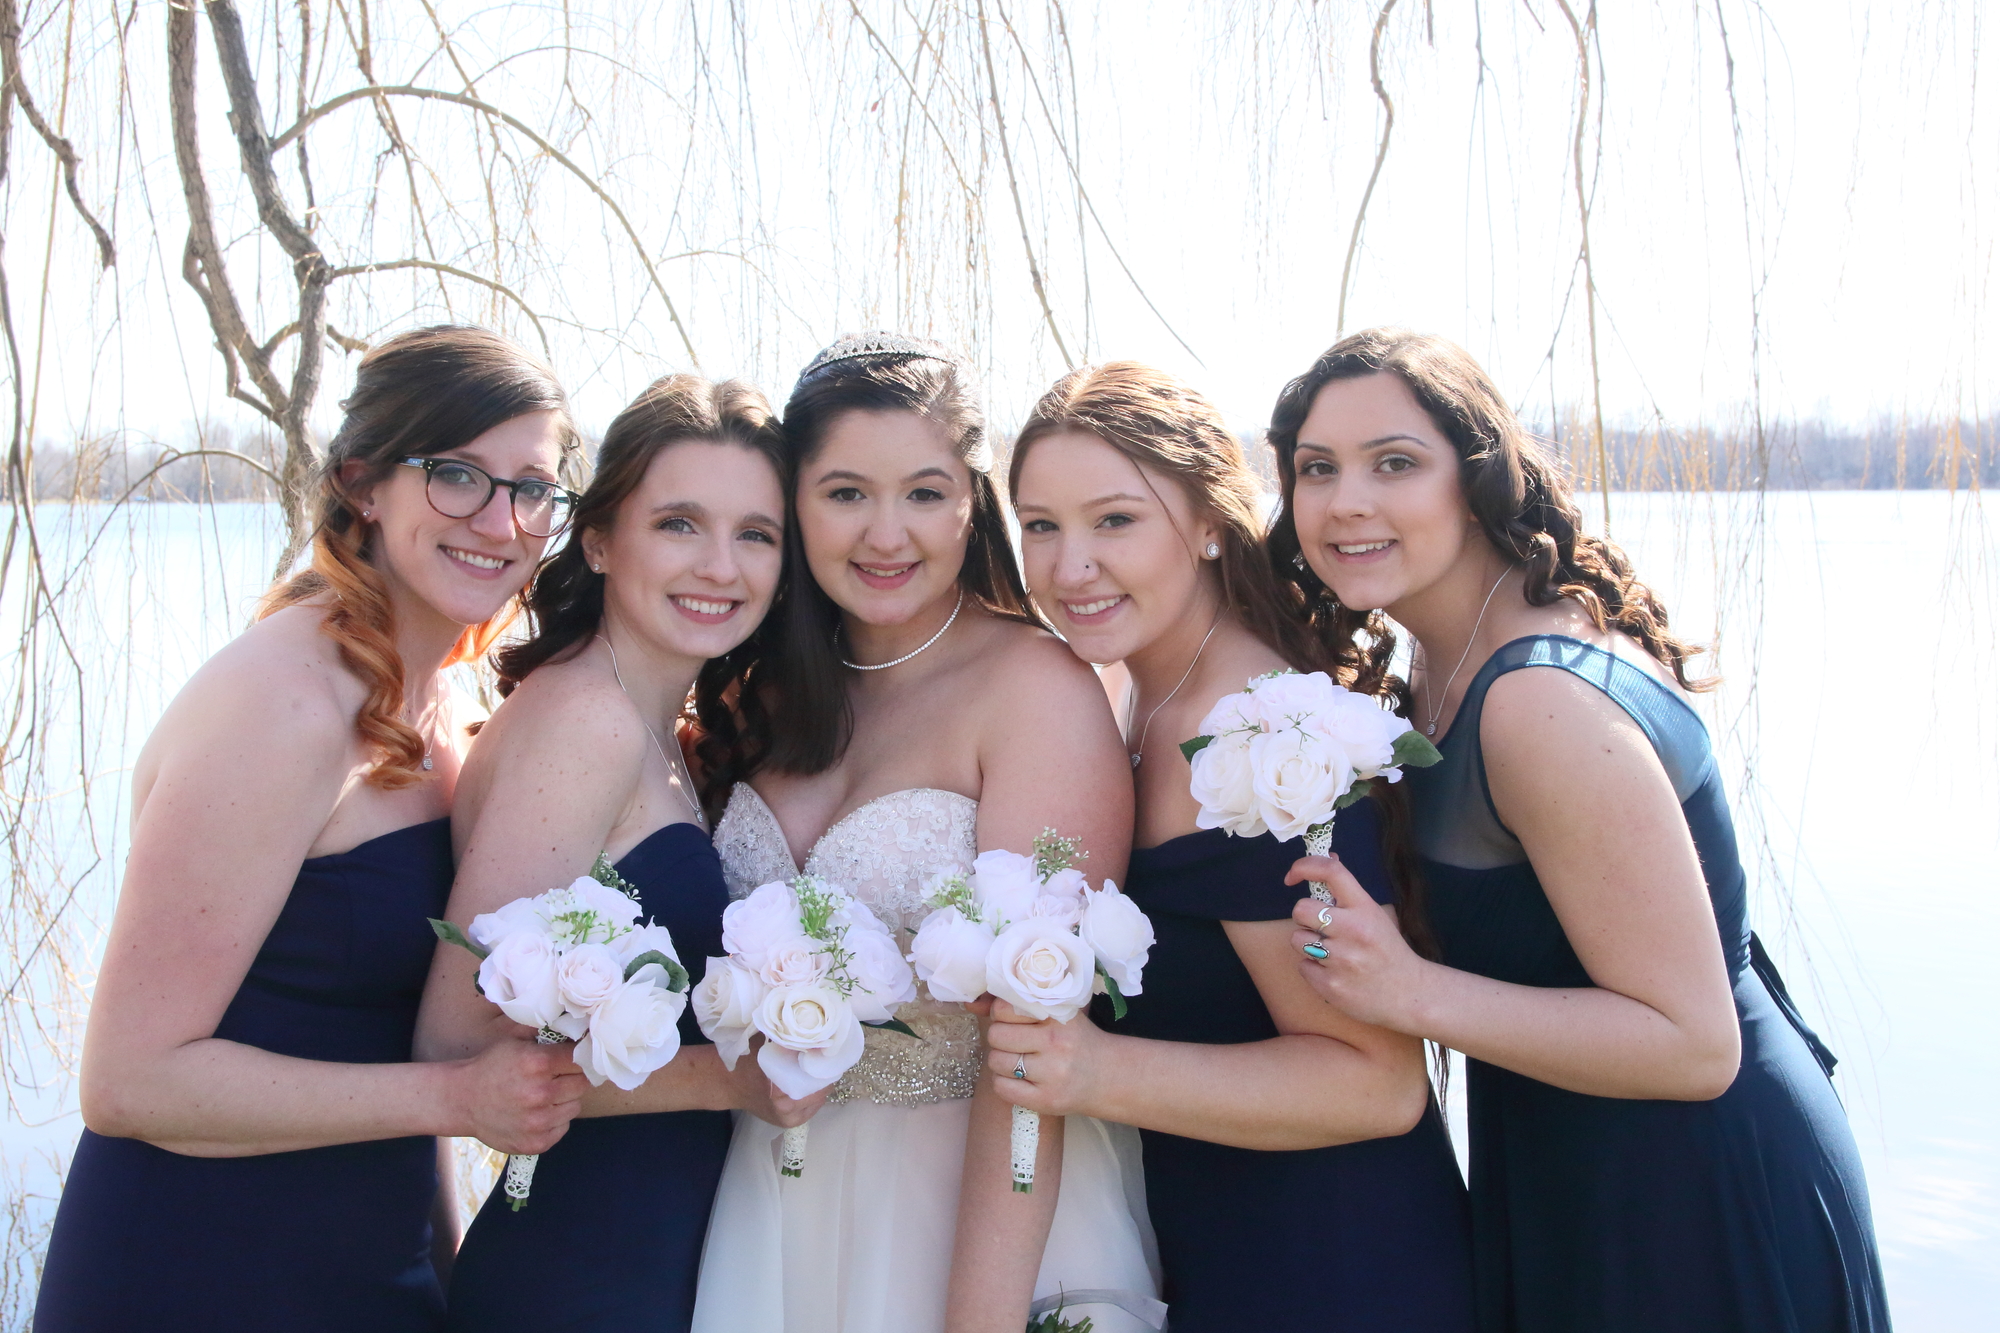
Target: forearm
point(997, 1251)
point(693, 1081)
point(216, 1098)
point(1582, 1039)
point(1284, 1094)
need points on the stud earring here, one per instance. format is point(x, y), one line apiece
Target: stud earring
point(1299, 560)
point(1212, 551)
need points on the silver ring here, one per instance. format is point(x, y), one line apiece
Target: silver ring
point(1020, 1066)
point(1326, 916)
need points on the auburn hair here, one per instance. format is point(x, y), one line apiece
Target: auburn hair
point(565, 601)
point(1170, 430)
point(1517, 491)
point(424, 392)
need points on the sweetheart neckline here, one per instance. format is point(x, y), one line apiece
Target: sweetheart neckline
point(786, 842)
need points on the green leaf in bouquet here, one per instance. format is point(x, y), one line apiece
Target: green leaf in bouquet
point(1413, 750)
point(677, 977)
point(451, 934)
point(1117, 996)
point(1189, 749)
point(895, 1025)
point(1358, 791)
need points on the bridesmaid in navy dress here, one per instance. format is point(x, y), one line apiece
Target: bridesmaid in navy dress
point(674, 562)
point(1297, 1171)
point(260, 1151)
point(1655, 1141)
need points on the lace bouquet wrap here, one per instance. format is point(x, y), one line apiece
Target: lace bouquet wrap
point(575, 964)
point(808, 966)
point(1031, 930)
point(1290, 750)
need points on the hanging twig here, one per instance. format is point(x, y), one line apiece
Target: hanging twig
point(1582, 31)
point(10, 69)
point(1381, 155)
point(1014, 189)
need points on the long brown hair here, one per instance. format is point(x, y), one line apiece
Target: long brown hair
point(1169, 429)
point(423, 392)
point(1515, 487)
point(565, 602)
point(873, 372)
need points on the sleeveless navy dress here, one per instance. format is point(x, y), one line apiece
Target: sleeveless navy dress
point(1746, 1213)
point(611, 1236)
point(333, 1239)
point(1360, 1237)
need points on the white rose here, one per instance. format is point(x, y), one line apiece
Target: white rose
point(1364, 730)
point(1295, 779)
point(645, 939)
point(585, 977)
point(882, 979)
point(1287, 700)
point(1118, 933)
point(770, 915)
point(1062, 908)
point(1222, 782)
point(812, 1037)
point(950, 954)
point(1041, 969)
point(635, 1031)
point(1005, 886)
point(520, 976)
point(489, 928)
point(725, 1004)
point(798, 959)
point(1234, 713)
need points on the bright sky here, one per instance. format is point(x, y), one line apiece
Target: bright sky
point(1829, 250)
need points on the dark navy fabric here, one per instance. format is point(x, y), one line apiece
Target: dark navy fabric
point(611, 1235)
point(333, 1239)
point(1362, 1237)
point(1746, 1213)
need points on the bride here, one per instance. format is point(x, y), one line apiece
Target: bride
point(911, 713)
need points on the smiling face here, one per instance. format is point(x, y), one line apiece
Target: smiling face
point(1381, 515)
point(885, 512)
point(462, 569)
point(692, 557)
point(1111, 549)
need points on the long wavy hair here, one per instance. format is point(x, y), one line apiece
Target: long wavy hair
point(1168, 429)
point(1515, 487)
point(565, 602)
point(804, 681)
point(423, 392)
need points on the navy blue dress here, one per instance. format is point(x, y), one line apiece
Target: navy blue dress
point(1361, 1237)
point(1746, 1213)
point(611, 1236)
point(333, 1239)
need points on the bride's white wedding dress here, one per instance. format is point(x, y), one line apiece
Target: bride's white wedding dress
point(861, 1242)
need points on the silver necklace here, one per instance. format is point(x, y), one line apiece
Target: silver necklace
point(676, 766)
point(430, 728)
point(1432, 729)
point(884, 666)
point(1140, 753)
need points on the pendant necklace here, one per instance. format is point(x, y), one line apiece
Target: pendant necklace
point(1140, 753)
point(884, 666)
point(676, 766)
point(1432, 729)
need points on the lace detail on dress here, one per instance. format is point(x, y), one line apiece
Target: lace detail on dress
point(883, 853)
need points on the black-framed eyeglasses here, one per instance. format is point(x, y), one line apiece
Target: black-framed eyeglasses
point(458, 489)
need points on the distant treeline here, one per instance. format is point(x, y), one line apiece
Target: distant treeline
point(223, 464)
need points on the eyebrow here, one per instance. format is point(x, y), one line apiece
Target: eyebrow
point(841, 474)
point(1125, 496)
point(464, 453)
point(764, 519)
point(1376, 443)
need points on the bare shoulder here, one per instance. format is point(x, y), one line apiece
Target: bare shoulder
point(1020, 664)
point(566, 709)
point(281, 680)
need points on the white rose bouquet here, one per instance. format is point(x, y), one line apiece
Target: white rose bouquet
point(1032, 931)
point(575, 965)
point(1291, 749)
point(809, 966)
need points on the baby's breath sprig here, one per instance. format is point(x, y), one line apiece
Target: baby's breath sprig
point(607, 874)
point(1055, 853)
point(954, 890)
point(816, 908)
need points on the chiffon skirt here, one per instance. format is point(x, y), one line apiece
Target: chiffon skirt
point(861, 1242)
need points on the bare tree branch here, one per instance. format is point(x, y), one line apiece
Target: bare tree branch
point(500, 288)
point(10, 70)
point(1381, 155)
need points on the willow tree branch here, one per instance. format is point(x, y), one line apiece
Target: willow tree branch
point(1381, 156)
point(554, 154)
point(10, 70)
point(498, 288)
point(1581, 30)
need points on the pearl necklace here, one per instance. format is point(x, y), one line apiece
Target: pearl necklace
point(884, 666)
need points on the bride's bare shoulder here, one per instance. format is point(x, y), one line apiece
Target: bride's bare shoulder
point(1018, 664)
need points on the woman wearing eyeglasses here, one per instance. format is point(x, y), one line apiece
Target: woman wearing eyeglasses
point(261, 1151)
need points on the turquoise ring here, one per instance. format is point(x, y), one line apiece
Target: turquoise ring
point(1314, 951)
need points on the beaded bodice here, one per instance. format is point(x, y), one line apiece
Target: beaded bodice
point(883, 853)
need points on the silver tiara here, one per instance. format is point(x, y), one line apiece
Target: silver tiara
point(859, 346)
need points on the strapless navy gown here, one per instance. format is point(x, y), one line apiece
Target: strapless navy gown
point(611, 1236)
point(1745, 1214)
point(1361, 1237)
point(334, 1239)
